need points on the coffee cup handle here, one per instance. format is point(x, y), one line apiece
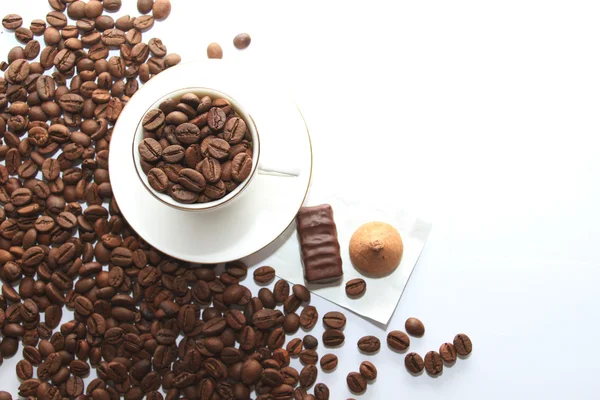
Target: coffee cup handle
point(277, 170)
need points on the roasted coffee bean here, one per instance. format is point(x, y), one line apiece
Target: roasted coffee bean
point(150, 150)
point(291, 304)
point(309, 357)
point(369, 344)
point(333, 337)
point(281, 291)
point(264, 274)
point(158, 179)
point(12, 22)
point(17, 71)
point(294, 347)
point(356, 287)
point(356, 382)
point(448, 352)
point(191, 180)
point(368, 371)
point(214, 50)
point(329, 362)
point(334, 320)
point(398, 340)
point(241, 166)
point(309, 317)
point(308, 375)
point(310, 342)
point(291, 323)
point(414, 327)
point(463, 344)
point(414, 363)
point(24, 370)
point(433, 363)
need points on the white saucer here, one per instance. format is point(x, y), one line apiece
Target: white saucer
point(252, 220)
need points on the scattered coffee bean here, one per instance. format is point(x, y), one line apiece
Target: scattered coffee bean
point(414, 363)
point(161, 9)
point(241, 41)
point(369, 344)
point(356, 287)
point(368, 371)
point(301, 292)
point(310, 342)
point(433, 363)
point(12, 22)
point(333, 337)
point(334, 320)
point(264, 274)
point(329, 362)
point(398, 340)
point(356, 382)
point(309, 317)
point(308, 375)
point(448, 352)
point(309, 357)
point(463, 344)
point(321, 391)
point(214, 50)
point(414, 327)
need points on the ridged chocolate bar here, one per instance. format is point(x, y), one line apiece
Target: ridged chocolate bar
point(319, 244)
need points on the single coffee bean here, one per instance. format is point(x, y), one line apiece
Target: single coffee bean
point(173, 154)
point(281, 291)
point(369, 344)
point(158, 180)
point(414, 327)
point(308, 375)
point(12, 22)
point(216, 119)
point(356, 383)
point(158, 49)
point(192, 180)
point(161, 9)
point(241, 167)
point(329, 362)
point(214, 50)
point(291, 322)
point(309, 317)
point(414, 363)
point(321, 391)
point(463, 344)
point(334, 320)
point(309, 357)
point(264, 274)
point(368, 371)
point(211, 169)
point(448, 352)
point(433, 363)
point(291, 304)
point(398, 340)
point(333, 337)
point(24, 370)
point(150, 150)
point(294, 347)
point(310, 342)
point(356, 287)
point(241, 41)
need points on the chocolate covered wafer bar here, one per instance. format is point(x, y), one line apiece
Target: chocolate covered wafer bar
point(319, 244)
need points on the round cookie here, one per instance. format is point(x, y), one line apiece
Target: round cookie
point(376, 248)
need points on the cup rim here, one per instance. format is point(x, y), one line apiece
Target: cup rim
point(215, 203)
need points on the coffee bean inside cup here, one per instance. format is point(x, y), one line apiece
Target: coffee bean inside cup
point(196, 148)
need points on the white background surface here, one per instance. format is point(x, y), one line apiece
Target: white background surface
point(480, 116)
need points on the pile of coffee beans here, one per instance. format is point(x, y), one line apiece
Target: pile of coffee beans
point(196, 149)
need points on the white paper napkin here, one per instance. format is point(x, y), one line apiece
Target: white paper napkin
point(382, 295)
